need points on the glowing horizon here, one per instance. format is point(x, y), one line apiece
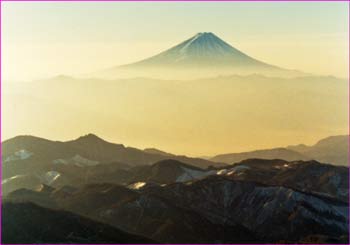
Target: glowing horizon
point(95, 36)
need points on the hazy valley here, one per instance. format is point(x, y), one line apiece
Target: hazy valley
point(215, 113)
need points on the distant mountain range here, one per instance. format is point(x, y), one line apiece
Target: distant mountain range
point(231, 106)
point(203, 54)
point(334, 150)
point(89, 147)
point(276, 153)
point(30, 161)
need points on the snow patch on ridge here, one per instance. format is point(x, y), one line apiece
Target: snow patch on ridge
point(11, 178)
point(82, 162)
point(50, 177)
point(77, 160)
point(60, 161)
point(234, 170)
point(137, 185)
point(19, 155)
point(191, 174)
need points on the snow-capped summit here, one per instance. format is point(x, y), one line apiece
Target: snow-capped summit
point(204, 48)
point(202, 55)
point(204, 44)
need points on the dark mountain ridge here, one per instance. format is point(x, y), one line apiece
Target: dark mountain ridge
point(92, 147)
point(30, 161)
point(214, 209)
point(29, 223)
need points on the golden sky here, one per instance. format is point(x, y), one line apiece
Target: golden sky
point(46, 39)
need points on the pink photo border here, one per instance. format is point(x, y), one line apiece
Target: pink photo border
point(1, 102)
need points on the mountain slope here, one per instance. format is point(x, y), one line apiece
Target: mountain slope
point(167, 172)
point(204, 49)
point(157, 151)
point(29, 223)
point(134, 212)
point(93, 149)
point(199, 56)
point(30, 161)
point(272, 212)
point(216, 209)
point(276, 153)
point(333, 149)
point(304, 176)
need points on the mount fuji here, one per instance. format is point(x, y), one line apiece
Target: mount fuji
point(205, 48)
point(202, 55)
